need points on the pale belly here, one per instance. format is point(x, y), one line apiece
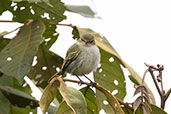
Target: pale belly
point(86, 62)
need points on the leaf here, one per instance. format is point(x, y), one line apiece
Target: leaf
point(3, 43)
point(16, 58)
point(63, 109)
point(73, 98)
point(5, 5)
point(36, 10)
point(145, 109)
point(30, 0)
point(75, 33)
point(137, 103)
point(48, 96)
point(157, 110)
point(85, 11)
point(90, 96)
point(19, 98)
point(139, 89)
point(18, 110)
point(112, 100)
point(47, 63)
point(106, 46)
point(4, 104)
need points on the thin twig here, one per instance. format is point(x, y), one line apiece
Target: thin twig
point(150, 69)
point(97, 87)
point(70, 25)
point(144, 76)
point(7, 21)
point(168, 93)
point(155, 82)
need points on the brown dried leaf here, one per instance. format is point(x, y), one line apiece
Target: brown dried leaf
point(137, 103)
point(139, 88)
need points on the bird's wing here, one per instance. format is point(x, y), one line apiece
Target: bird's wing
point(71, 55)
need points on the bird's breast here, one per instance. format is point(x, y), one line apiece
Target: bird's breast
point(87, 61)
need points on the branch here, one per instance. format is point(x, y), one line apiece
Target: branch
point(155, 82)
point(167, 94)
point(153, 77)
point(97, 86)
point(70, 25)
point(7, 21)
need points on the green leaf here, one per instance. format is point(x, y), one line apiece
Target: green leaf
point(5, 5)
point(90, 97)
point(48, 96)
point(6, 80)
point(3, 43)
point(19, 98)
point(30, 0)
point(157, 110)
point(75, 33)
point(63, 109)
point(106, 46)
point(24, 10)
point(112, 100)
point(18, 110)
point(73, 98)
point(85, 11)
point(45, 59)
point(4, 104)
point(17, 57)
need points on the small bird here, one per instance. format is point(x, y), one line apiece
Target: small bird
point(82, 58)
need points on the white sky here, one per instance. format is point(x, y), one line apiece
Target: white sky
point(140, 31)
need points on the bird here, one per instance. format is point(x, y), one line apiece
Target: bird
point(82, 58)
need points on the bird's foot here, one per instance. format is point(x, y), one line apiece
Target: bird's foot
point(81, 82)
point(93, 84)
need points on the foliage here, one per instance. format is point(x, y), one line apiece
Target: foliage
point(28, 54)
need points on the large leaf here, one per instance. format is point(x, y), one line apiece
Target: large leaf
point(63, 109)
point(85, 11)
point(155, 110)
point(73, 98)
point(36, 10)
point(18, 110)
point(19, 98)
point(3, 43)
point(5, 5)
point(106, 46)
point(4, 104)
point(48, 96)
point(47, 62)
point(16, 58)
point(112, 101)
point(46, 1)
point(90, 96)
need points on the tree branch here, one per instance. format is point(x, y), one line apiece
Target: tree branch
point(97, 86)
point(155, 82)
point(70, 25)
